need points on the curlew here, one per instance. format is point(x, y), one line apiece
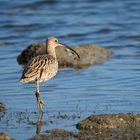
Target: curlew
point(43, 67)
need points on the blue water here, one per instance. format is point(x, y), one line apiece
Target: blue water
point(113, 87)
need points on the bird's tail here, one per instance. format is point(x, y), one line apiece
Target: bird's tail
point(23, 80)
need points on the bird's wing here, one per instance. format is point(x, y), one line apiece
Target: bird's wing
point(34, 66)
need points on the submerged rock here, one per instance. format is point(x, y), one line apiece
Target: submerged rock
point(2, 107)
point(4, 136)
point(89, 55)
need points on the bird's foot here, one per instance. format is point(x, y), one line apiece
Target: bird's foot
point(39, 101)
point(42, 102)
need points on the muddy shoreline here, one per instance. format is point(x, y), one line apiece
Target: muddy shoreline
point(104, 126)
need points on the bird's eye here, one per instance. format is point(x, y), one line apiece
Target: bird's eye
point(56, 40)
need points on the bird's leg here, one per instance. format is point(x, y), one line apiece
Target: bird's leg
point(38, 97)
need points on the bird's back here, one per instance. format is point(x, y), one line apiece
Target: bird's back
point(40, 69)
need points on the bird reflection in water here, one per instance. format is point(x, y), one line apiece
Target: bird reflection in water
point(39, 123)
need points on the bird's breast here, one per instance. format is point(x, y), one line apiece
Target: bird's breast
point(49, 71)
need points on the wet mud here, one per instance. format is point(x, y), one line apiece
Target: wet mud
point(102, 127)
point(106, 126)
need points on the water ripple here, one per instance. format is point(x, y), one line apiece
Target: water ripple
point(112, 87)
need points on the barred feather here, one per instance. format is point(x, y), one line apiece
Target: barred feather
point(40, 68)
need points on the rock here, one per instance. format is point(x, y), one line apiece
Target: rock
point(54, 134)
point(113, 134)
point(89, 55)
point(114, 127)
point(96, 122)
point(3, 136)
point(2, 107)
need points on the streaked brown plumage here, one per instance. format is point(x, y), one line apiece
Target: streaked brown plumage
point(43, 67)
point(40, 69)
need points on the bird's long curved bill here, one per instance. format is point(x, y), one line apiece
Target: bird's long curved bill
point(61, 44)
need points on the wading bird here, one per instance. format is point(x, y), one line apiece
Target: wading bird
point(43, 67)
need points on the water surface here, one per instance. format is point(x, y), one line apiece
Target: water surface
point(113, 87)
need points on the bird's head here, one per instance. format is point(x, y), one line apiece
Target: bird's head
point(53, 42)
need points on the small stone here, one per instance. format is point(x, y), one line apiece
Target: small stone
point(4, 136)
point(2, 107)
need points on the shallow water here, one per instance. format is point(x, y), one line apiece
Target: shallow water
point(113, 87)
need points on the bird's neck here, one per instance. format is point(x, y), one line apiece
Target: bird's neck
point(51, 50)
